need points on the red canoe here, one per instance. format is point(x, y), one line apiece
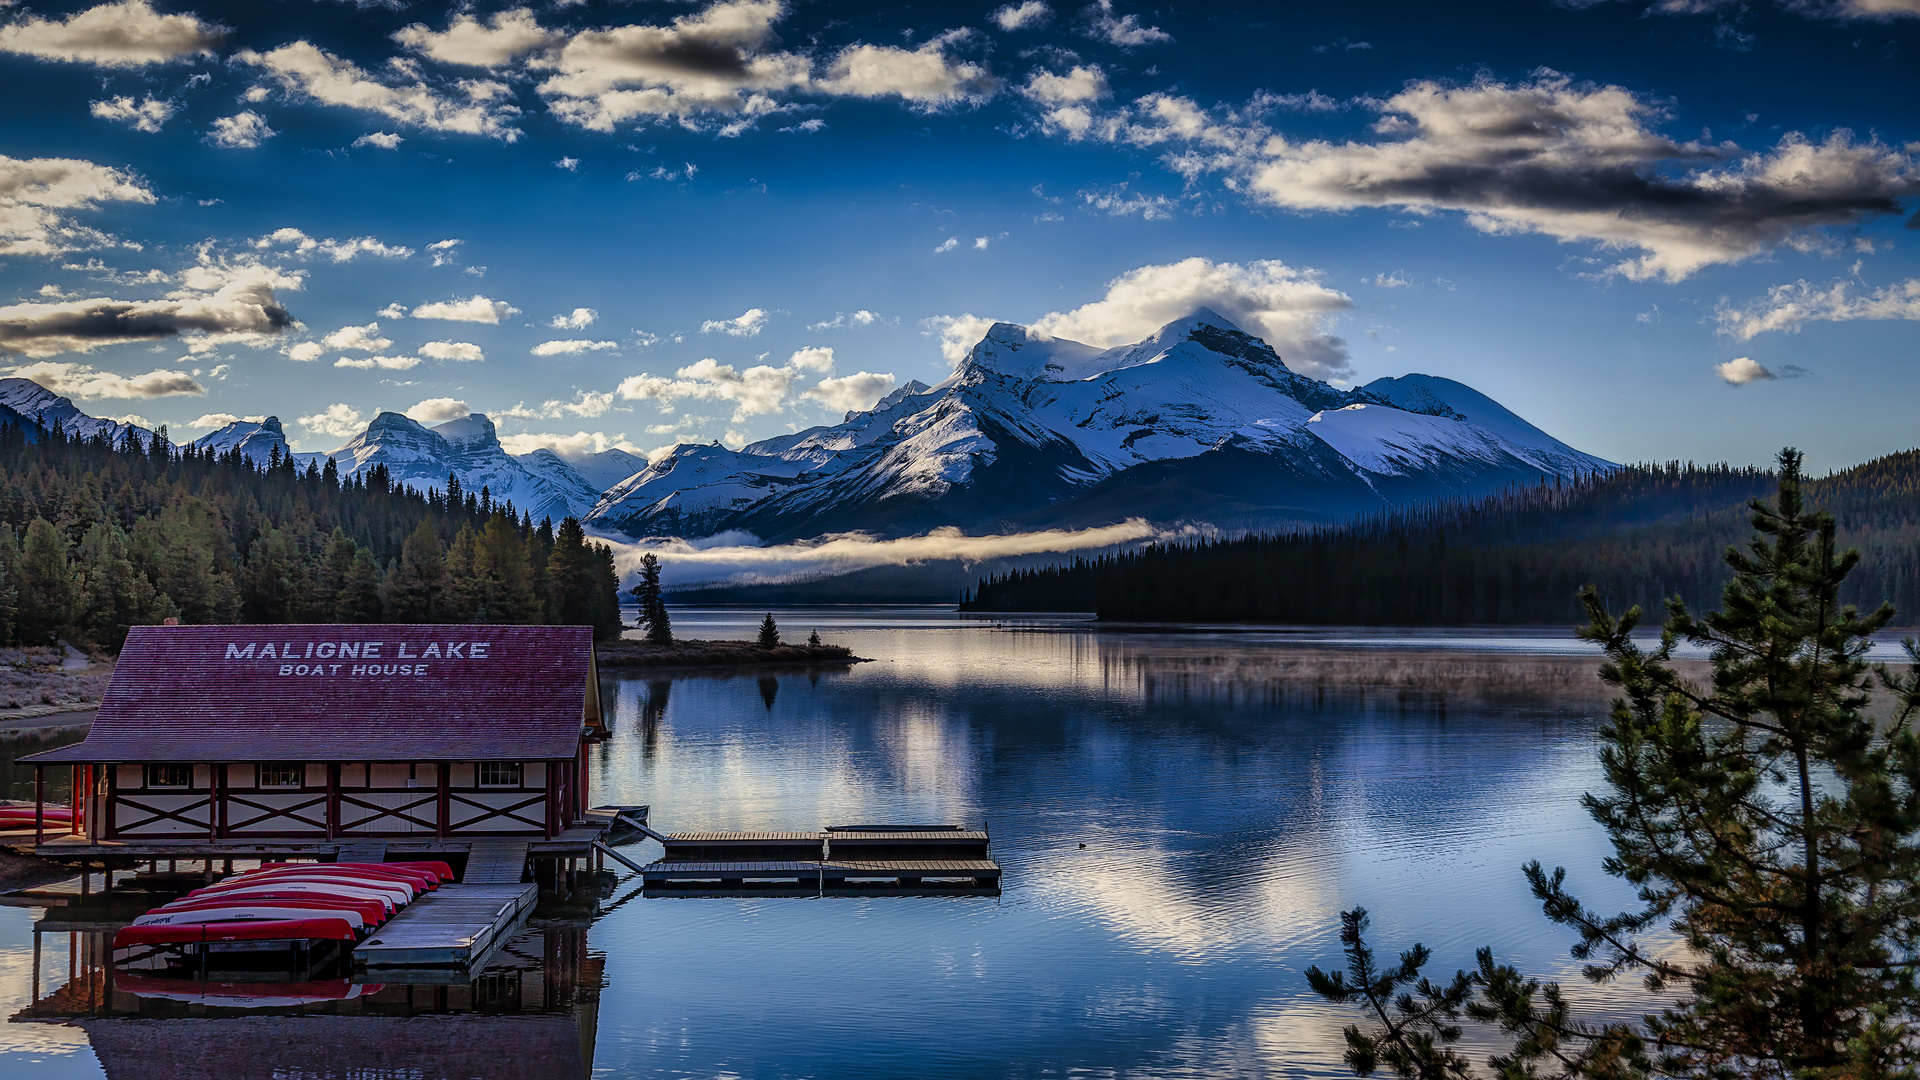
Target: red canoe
point(367, 912)
point(261, 930)
point(393, 894)
point(421, 882)
point(436, 872)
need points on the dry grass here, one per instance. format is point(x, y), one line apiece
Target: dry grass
point(32, 676)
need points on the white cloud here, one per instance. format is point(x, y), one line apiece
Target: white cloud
point(579, 319)
point(1395, 280)
point(863, 317)
point(217, 420)
point(443, 251)
point(384, 363)
point(979, 243)
point(923, 76)
point(1117, 202)
point(37, 196)
point(718, 62)
point(577, 445)
point(307, 71)
point(126, 34)
point(241, 131)
point(1583, 163)
point(358, 339)
point(818, 360)
point(571, 164)
point(1082, 83)
point(958, 333)
point(149, 115)
point(572, 347)
point(1788, 307)
point(851, 393)
point(463, 351)
point(747, 324)
point(393, 311)
point(218, 303)
point(585, 403)
point(686, 562)
point(948, 244)
point(476, 308)
point(707, 62)
point(1741, 371)
point(469, 42)
point(1013, 17)
point(337, 420)
point(1290, 309)
point(1124, 31)
point(85, 381)
point(438, 410)
point(337, 250)
point(305, 351)
point(756, 391)
point(382, 139)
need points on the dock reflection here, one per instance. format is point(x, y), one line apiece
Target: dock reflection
point(530, 1010)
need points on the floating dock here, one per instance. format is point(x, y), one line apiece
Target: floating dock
point(862, 859)
point(456, 925)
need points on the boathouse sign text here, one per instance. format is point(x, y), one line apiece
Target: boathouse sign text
point(356, 659)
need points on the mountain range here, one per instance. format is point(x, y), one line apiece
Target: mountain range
point(1200, 422)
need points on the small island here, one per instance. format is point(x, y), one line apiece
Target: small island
point(692, 652)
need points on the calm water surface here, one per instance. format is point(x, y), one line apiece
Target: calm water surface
point(1181, 817)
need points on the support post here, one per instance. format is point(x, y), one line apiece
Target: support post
point(333, 800)
point(39, 814)
point(444, 810)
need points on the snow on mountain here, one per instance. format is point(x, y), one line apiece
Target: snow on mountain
point(255, 440)
point(46, 408)
point(420, 457)
point(604, 469)
point(1200, 421)
point(694, 489)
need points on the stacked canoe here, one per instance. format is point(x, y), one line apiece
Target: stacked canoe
point(294, 903)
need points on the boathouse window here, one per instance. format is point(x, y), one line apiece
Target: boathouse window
point(169, 775)
point(499, 774)
point(282, 774)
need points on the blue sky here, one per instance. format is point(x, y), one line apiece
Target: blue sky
point(1667, 231)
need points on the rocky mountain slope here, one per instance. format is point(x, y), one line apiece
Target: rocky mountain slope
point(1199, 422)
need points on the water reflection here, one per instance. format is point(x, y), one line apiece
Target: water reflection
point(531, 1011)
point(1180, 817)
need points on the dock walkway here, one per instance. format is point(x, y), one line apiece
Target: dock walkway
point(455, 925)
point(860, 859)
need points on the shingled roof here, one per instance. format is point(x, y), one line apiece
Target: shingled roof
point(344, 693)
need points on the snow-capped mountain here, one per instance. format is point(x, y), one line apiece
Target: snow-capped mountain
point(46, 408)
point(606, 468)
point(255, 440)
point(468, 447)
point(1199, 422)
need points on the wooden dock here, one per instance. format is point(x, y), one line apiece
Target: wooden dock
point(453, 926)
point(848, 859)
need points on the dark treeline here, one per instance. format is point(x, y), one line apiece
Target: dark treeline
point(100, 537)
point(1640, 535)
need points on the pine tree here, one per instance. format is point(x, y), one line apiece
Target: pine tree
point(358, 600)
point(769, 633)
point(567, 576)
point(813, 639)
point(416, 586)
point(46, 584)
point(603, 594)
point(1765, 819)
point(653, 608)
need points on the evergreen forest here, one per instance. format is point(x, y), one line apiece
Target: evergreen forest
point(100, 537)
point(1639, 536)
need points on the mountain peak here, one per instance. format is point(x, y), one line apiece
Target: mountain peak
point(473, 429)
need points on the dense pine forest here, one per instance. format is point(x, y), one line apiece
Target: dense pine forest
point(1640, 535)
point(100, 537)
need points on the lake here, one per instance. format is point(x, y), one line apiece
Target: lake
point(1181, 814)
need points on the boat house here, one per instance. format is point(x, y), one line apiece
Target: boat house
point(289, 736)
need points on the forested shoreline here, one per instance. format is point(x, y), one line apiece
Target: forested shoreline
point(1640, 535)
point(101, 536)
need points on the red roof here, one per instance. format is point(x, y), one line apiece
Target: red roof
point(468, 692)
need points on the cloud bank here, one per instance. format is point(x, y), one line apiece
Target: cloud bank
point(38, 195)
point(684, 563)
point(123, 35)
point(1789, 307)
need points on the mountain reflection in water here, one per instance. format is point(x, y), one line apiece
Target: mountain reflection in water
point(1181, 817)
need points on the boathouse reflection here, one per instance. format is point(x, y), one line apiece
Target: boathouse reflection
point(530, 1011)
